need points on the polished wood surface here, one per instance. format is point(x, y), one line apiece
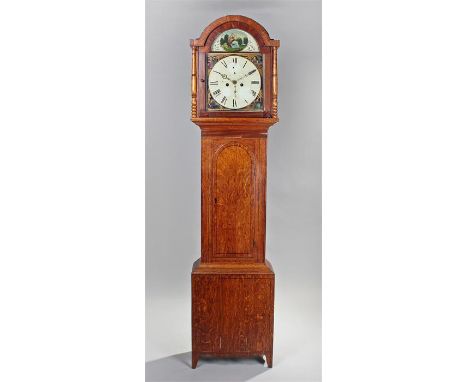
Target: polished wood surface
point(232, 282)
point(256, 269)
point(274, 93)
point(232, 314)
point(233, 199)
point(194, 82)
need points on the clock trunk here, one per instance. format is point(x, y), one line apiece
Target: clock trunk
point(233, 199)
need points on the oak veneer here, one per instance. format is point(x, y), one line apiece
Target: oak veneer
point(232, 311)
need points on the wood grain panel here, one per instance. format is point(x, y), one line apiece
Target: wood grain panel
point(233, 198)
point(233, 201)
point(232, 314)
point(206, 314)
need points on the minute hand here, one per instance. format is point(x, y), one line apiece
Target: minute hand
point(248, 74)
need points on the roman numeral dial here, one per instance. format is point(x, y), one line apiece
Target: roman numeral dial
point(234, 82)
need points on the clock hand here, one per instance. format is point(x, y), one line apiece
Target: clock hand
point(248, 74)
point(223, 76)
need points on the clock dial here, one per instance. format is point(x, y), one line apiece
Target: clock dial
point(234, 82)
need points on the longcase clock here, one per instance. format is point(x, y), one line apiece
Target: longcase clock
point(234, 102)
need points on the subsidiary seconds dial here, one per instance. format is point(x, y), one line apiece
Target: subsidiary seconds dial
point(234, 82)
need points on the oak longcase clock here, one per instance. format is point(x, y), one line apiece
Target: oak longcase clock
point(234, 102)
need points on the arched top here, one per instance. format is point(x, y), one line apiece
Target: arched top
point(234, 22)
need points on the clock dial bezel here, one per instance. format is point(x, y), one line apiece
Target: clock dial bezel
point(213, 104)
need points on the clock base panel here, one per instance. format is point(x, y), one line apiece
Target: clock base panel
point(232, 311)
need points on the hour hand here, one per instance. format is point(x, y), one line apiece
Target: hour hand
point(223, 76)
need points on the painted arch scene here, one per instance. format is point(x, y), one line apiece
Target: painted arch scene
point(234, 40)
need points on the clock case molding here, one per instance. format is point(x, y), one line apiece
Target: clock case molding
point(232, 282)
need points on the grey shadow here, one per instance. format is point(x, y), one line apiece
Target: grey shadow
point(178, 367)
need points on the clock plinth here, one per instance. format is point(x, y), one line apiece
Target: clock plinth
point(232, 310)
point(234, 94)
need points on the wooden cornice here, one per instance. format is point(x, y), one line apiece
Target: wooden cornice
point(234, 125)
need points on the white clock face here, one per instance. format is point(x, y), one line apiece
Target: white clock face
point(234, 82)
